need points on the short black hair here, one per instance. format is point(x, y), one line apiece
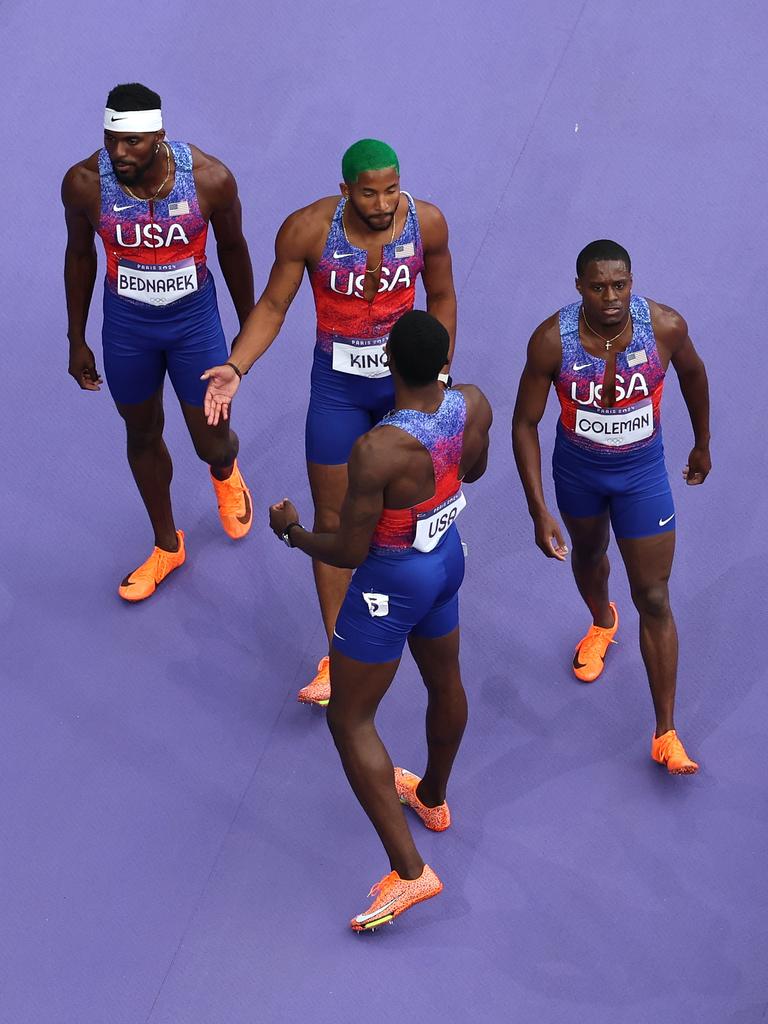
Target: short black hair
point(602, 249)
point(133, 96)
point(418, 347)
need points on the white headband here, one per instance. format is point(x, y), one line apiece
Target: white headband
point(138, 121)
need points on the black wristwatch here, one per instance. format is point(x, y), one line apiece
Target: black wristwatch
point(285, 537)
point(446, 379)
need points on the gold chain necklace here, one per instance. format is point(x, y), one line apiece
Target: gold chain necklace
point(163, 183)
point(374, 270)
point(608, 341)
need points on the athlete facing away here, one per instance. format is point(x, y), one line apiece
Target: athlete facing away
point(398, 530)
point(150, 201)
point(363, 254)
point(606, 357)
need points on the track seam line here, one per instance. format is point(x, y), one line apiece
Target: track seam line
point(523, 148)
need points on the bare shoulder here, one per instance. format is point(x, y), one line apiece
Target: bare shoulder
point(212, 175)
point(432, 223)
point(669, 326)
point(308, 225)
point(81, 182)
point(478, 406)
point(375, 457)
point(545, 343)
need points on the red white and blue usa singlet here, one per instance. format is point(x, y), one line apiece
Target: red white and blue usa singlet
point(155, 250)
point(423, 526)
point(352, 330)
point(633, 423)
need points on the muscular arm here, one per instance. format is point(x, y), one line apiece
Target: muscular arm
point(219, 189)
point(80, 265)
point(266, 318)
point(438, 273)
point(672, 330)
point(532, 393)
point(544, 354)
point(370, 470)
point(80, 256)
point(480, 415)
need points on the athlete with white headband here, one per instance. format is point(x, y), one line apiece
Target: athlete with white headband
point(150, 201)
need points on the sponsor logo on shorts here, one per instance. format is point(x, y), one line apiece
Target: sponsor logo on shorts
point(378, 605)
point(663, 522)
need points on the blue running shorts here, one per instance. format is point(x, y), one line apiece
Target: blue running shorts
point(142, 342)
point(391, 596)
point(632, 486)
point(342, 407)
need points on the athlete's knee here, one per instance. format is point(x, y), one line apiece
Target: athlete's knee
point(652, 600)
point(145, 438)
point(586, 557)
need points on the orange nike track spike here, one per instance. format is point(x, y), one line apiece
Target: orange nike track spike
point(435, 818)
point(589, 659)
point(319, 690)
point(393, 896)
point(235, 505)
point(668, 750)
point(142, 582)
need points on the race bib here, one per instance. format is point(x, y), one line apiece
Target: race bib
point(431, 526)
point(368, 359)
point(157, 285)
point(612, 427)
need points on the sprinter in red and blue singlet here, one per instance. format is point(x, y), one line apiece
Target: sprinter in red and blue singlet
point(607, 356)
point(398, 526)
point(150, 201)
point(363, 254)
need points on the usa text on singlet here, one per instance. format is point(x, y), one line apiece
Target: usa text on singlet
point(155, 250)
point(633, 422)
point(352, 330)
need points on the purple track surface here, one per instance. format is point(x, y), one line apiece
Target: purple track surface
point(179, 843)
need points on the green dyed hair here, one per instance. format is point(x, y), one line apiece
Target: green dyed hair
point(367, 155)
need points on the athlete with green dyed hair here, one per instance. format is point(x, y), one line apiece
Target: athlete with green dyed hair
point(367, 155)
point(363, 254)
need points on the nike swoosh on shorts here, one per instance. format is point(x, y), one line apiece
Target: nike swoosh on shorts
point(663, 522)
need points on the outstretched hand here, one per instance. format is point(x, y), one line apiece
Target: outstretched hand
point(549, 537)
point(280, 515)
point(223, 382)
point(698, 467)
